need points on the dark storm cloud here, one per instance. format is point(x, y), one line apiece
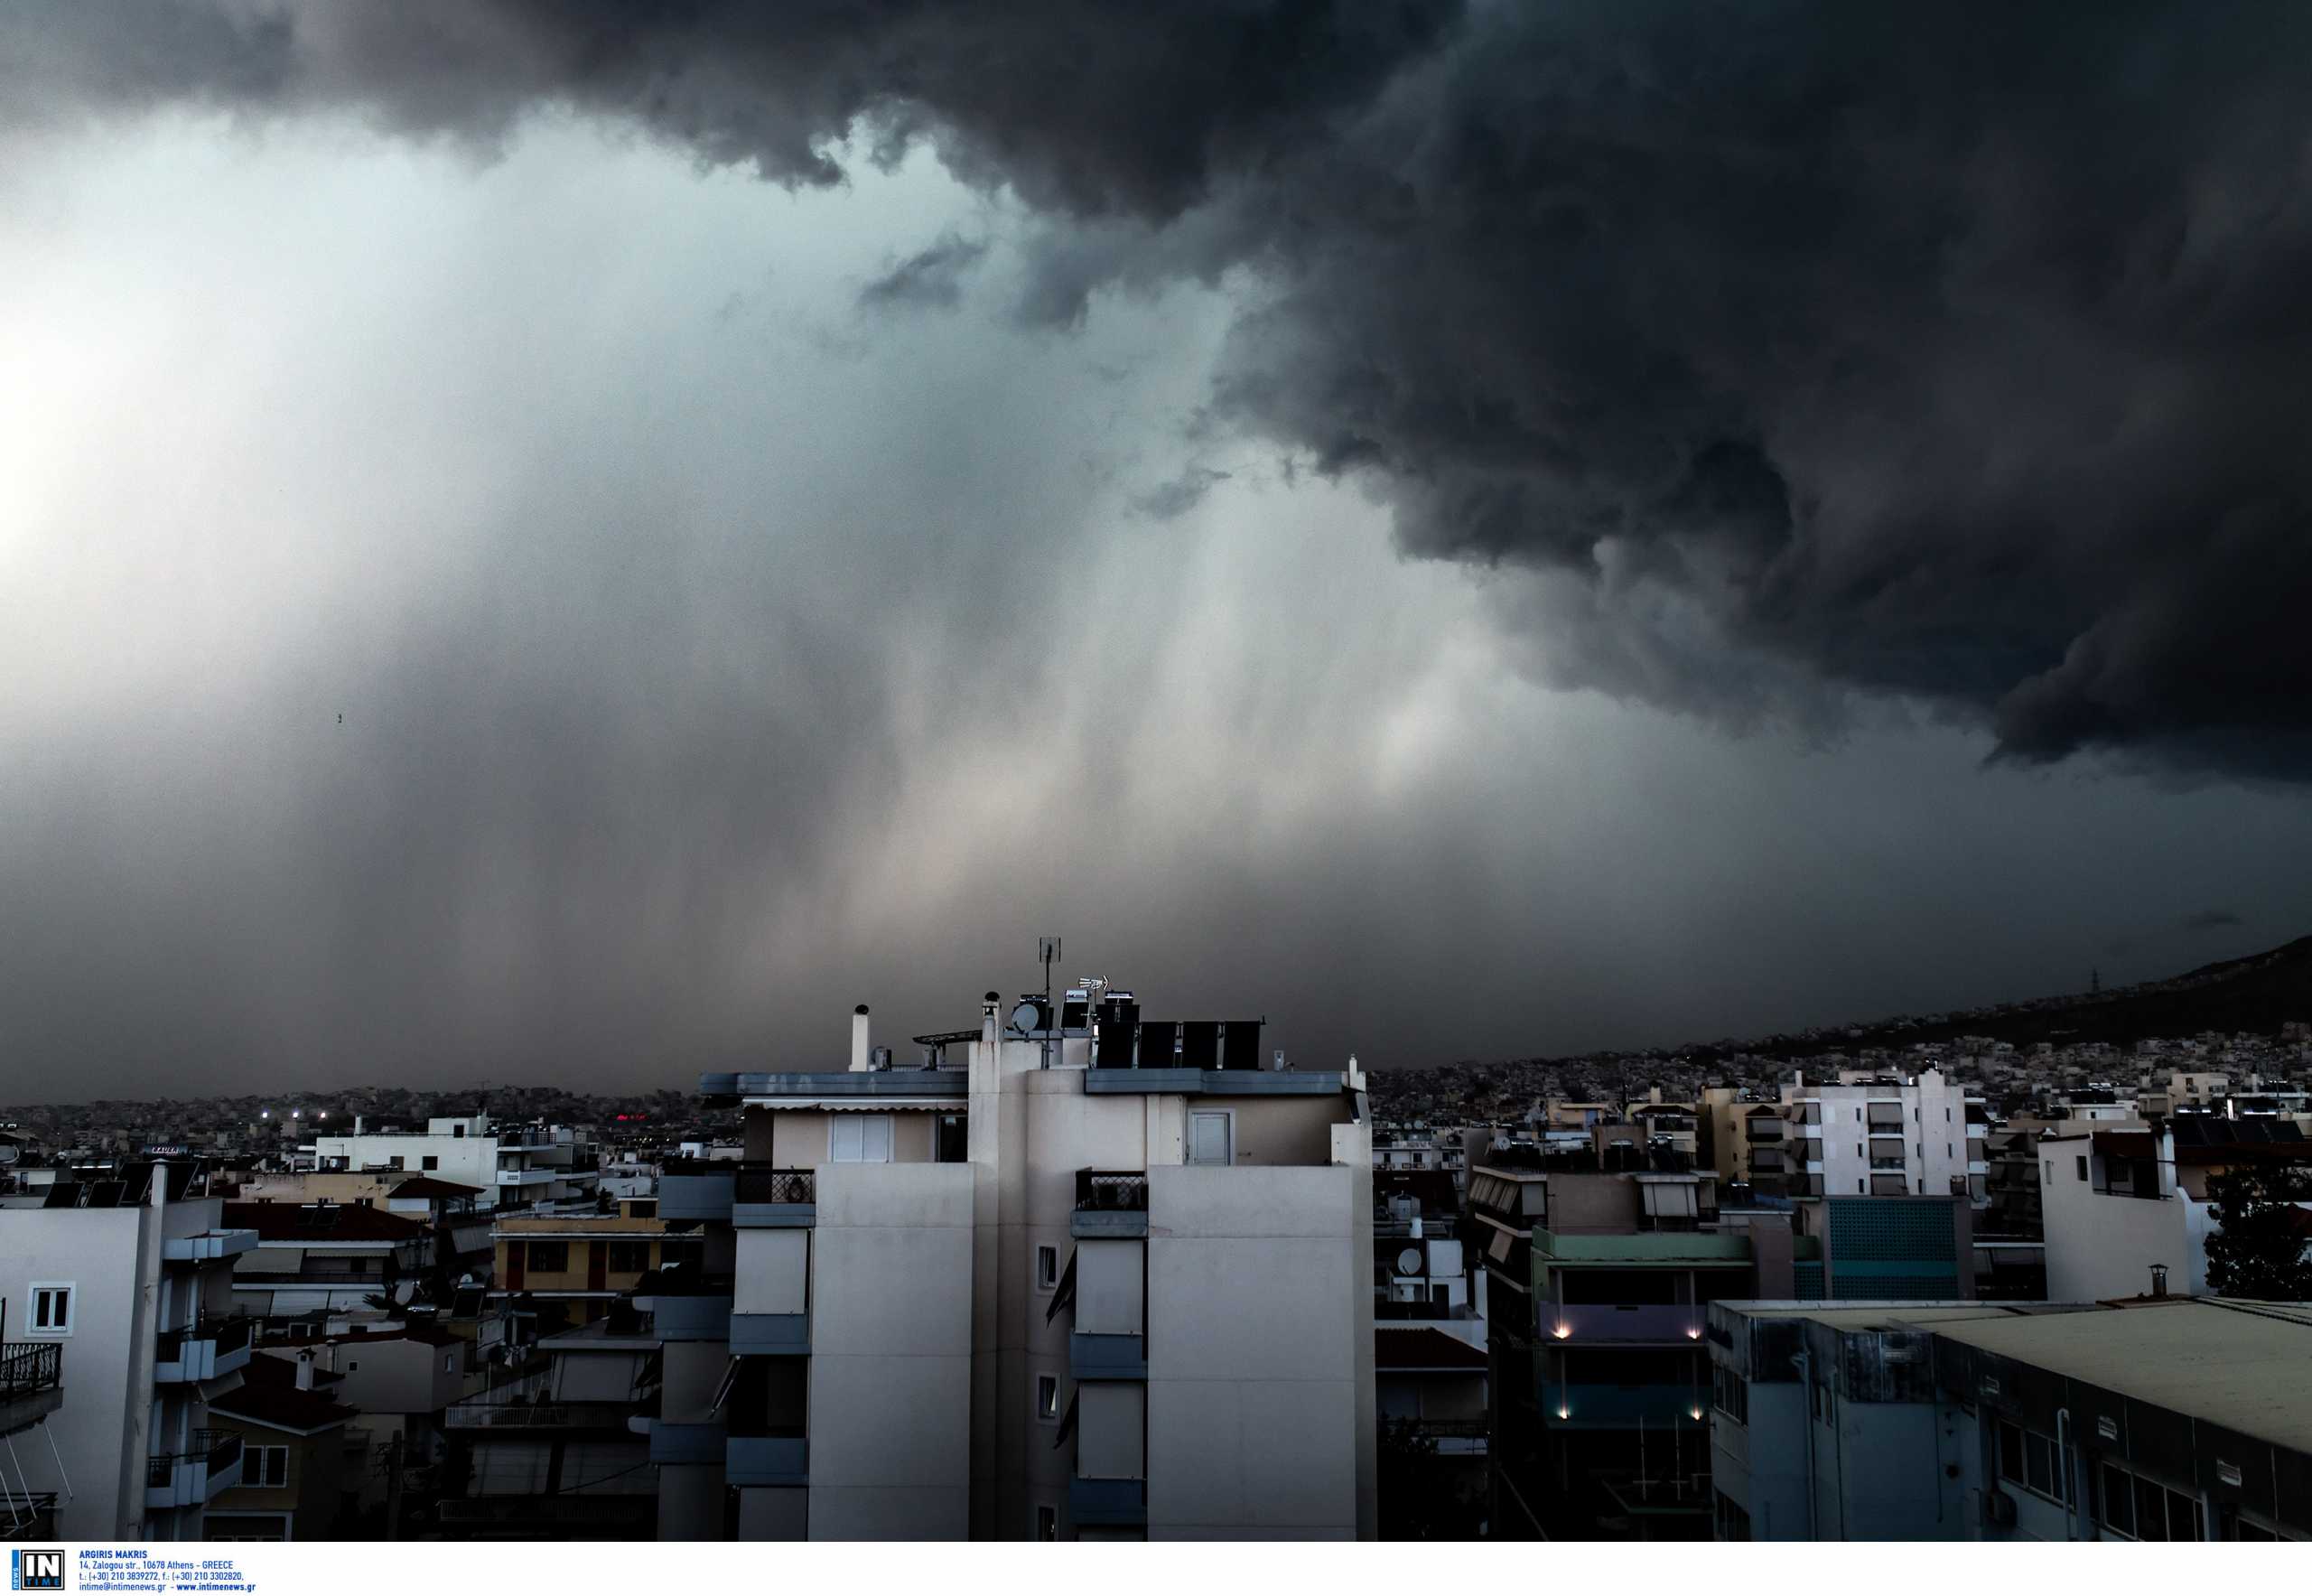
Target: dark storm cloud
point(932, 276)
point(2211, 919)
point(1952, 353)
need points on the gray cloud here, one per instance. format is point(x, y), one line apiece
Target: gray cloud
point(2211, 919)
point(1181, 494)
point(705, 672)
point(931, 276)
point(1794, 354)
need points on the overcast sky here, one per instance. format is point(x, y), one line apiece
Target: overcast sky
point(512, 570)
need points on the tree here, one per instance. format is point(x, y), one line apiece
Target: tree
point(2259, 1250)
point(1418, 1500)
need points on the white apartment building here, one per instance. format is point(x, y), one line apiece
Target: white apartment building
point(1884, 1136)
point(2116, 1203)
point(509, 1163)
point(1109, 1279)
point(130, 1277)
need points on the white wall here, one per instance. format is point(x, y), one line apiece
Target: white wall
point(2101, 1247)
point(773, 1274)
point(1253, 1398)
point(96, 1250)
point(890, 1353)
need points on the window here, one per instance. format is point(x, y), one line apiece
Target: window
point(549, 1257)
point(2034, 1462)
point(1730, 1394)
point(1731, 1523)
point(1208, 1139)
point(1048, 1397)
point(430, 1161)
point(1047, 1267)
point(2047, 1166)
point(52, 1308)
point(628, 1257)
point(394, 1163)
point(860, 1138)
point(1859, 1185)
point(449, 1363)
point(2130, 1504)
point(1047, 1523)
point(264, 1466)
point(2081, 1162)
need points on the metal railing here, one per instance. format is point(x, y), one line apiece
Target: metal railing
point(27, 1515)
point(231, 1333)
point(758, 1184)
point(26, 1366)
point(483, 1413)
point(1111, 1191)
point(216, 1449)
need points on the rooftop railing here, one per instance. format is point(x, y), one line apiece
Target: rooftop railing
point(1111, 1191)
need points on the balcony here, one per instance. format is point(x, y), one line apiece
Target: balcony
point(699, 1317)
point(1106, 1358)
point(763, 1198)
point(1104, 1503)
point(497, 1411)
point(190, 1479)
point(696, 1191)
point(32, 1383)
point(1110, 1203)
point(1890, 1186)
point(767, 1459)
point(210, 1247)
point(1590, 1324)
point(1624, 1408)
point(27, 1515)
point(202, 1350)
point(522, 1179)
point(682, 1444)
point(1898, 1163)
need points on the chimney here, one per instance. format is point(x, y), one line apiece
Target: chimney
point(858, 1040)
point(304, 1371)
point(2158, 1282)
point(356, 1125)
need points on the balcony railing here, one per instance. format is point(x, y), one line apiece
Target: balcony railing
point(756, 1184)
point(489, 1413)
point(231, 1335)
point(27, 1515)
point(214, 1449)
point(1591, 1323)
point(26, 1366)
point(1111, 1191)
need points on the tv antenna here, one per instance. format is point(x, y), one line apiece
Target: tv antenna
point(1048, 951)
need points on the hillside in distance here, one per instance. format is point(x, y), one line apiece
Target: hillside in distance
point(2258, 993)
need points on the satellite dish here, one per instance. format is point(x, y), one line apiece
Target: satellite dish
point(1028, 1016)
point(1409, 1261)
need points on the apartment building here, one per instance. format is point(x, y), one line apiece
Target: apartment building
point(32, 1387)
point(2171, 1420)
point(128, 1281)
point(313, 1260)
point(1598, 1286)
point(512, 1166)
point(1110, 1278)
point(554, 1453)
point(1884, 1136)
point(570, 1268)
point(2116, 1204)
point(1745, 1137)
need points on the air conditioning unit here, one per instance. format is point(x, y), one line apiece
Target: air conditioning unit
point(1998, 1509)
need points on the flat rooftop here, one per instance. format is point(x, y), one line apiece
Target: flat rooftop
point(2240, 1365)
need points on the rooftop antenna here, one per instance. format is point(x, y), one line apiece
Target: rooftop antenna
point(1048, 951)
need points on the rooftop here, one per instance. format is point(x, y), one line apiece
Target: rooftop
point(2240, 1365)
point(1423, 1349)
point(321, 1222)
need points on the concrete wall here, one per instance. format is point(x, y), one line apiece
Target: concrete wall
point(1253, 1398)
point(1111, 1422)
point(890, 1353)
